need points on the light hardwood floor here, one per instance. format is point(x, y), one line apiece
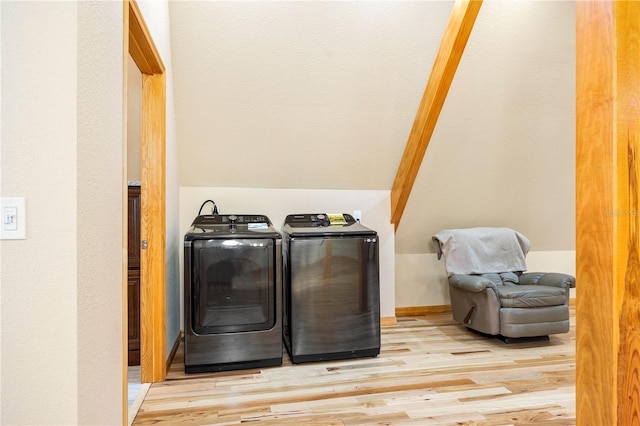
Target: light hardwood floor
point(430, 371)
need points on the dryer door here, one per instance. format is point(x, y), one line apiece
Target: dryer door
point(233, 286)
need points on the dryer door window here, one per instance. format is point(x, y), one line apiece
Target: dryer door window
point(233, 286)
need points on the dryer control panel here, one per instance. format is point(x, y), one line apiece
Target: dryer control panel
point(227, 219)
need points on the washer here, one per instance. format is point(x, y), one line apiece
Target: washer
point(331, 288)
point(232, 293)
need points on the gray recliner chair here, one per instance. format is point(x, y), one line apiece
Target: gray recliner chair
point(490, 290)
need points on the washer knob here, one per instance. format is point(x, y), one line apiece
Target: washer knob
point(233, 218)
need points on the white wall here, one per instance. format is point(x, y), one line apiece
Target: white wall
point(101, 186)
point(503, 151)
point(327, 89)
point(278, 203)
point(62, 149)
point(134, 115)
point(1, 193)
point(39, 274)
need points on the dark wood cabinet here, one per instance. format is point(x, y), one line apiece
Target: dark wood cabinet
point(133, 287)
point(133, 306)
point(133, 235)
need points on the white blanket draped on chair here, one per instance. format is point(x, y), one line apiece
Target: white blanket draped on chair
point(482, 250)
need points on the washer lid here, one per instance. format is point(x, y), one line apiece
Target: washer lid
point(231, 226)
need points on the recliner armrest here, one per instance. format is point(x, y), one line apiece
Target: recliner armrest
point(553, 279)
point(473, 283)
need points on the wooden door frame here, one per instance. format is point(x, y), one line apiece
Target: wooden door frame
point(607, 212)
point(139, 44)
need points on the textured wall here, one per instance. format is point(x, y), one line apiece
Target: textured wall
point(39, 284)
point(315, 95)
point(503, 152)
point(100, 183)
point(62, 142)
point(134, 112)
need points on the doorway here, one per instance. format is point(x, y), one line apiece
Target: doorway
point(136, 389)
point(140, 45)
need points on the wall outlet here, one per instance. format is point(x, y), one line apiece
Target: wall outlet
point(357, 215)
point(13, 218)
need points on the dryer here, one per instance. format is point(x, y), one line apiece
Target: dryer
point(232, 293)
point(331, 288)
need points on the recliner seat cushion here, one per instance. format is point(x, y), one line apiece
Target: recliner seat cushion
point(530, 296)
point(525, 322)
point(548, 314)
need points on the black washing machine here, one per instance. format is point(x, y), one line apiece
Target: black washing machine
point(331, 288)
point(232, 293)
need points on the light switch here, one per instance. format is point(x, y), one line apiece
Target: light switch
point(13, 213)
point(10, 215)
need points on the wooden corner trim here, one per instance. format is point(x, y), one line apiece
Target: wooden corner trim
point(386, 321)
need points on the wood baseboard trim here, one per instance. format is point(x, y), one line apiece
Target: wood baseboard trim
point(412, 311)
point(388, 321)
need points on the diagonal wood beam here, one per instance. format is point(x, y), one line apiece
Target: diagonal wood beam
point(461, 21)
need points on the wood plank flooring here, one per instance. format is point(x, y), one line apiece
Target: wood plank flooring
point(430, 371)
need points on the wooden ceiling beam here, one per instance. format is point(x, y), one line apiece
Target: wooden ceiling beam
point(459, 27)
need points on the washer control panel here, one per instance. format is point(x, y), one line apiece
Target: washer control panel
point(314, 220)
